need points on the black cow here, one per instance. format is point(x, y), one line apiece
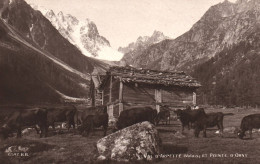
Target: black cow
point(136, 115)
point(210, 120)
point(249, 123)
point(163, 115)
point(82, 114)
point(188, 116)
point(25, 118)
point(64, 114)
point(94, 119)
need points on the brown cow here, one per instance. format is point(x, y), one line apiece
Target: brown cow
point(248, 123)
point(25, 118)
point(92, 118)
point(136, 115)
point(64, 114)
point(163, 115)
point(188, 116)
point(210, 120)
point(82, 114)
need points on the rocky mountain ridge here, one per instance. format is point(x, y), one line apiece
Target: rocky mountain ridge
point(134, 49)
point(83, 34)
point(222, 25)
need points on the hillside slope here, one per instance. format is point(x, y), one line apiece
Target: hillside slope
point(37, 64)
point(222, 25)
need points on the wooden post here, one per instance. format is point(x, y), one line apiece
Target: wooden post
point(194, 98)
point(93, 93)
point(158, 99)
point(110, 90)
point(111, 108)
point(121, 106)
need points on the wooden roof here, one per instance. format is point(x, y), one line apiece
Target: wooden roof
point(152, 77)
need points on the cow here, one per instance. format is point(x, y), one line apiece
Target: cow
point(64, 114)
point(94, 119)
point(163, 115)
point(25, 118)
point(188, 116)
point(210, 120)
point(248, 123)
point(135, 115)
point(82, 114)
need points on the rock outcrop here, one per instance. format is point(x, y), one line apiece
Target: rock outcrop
point(135, 49)
point(140, 141)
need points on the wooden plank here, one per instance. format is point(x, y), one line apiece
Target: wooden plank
point(116, 110)
point(138, 94)
point(171, 96)
point(158, 99)
point(194, 98)
point(121, 106)
point(114, 91)
point(110, 89)
point(92, 93)
point(120, 91)
point(129, 105)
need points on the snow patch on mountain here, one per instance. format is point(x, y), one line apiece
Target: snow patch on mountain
point(83, 34)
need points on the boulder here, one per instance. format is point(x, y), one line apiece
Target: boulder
point(140, 141)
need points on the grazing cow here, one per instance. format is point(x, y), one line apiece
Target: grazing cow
point(82, 114)
point(91, 120)
point(249, 123)
point(163, 115)
point(210, 120)
point(65, 114)
point(25, 118)
point(135, 115)
point(188, 116)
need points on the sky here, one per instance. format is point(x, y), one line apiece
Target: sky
point(123, 21)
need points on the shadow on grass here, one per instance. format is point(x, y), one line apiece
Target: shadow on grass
point(246, 139)
point(166, 130)
point(233, 137)
point(173, 149)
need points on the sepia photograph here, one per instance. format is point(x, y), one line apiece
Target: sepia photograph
point(129, 81)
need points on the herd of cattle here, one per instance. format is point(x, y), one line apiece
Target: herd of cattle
point(94, 117)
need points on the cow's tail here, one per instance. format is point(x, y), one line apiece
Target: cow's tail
point(228, 114)
point(77, 118)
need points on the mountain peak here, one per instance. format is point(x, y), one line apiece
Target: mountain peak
point(60, 13)
point(83, 34)
point(157, 33)
point(222, 25)
point(134, 49)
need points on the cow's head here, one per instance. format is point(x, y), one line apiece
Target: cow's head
point(241, 134)
point(178, 112)
point(4, 132)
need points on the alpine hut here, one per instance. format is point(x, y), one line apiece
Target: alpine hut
point(125, 87)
